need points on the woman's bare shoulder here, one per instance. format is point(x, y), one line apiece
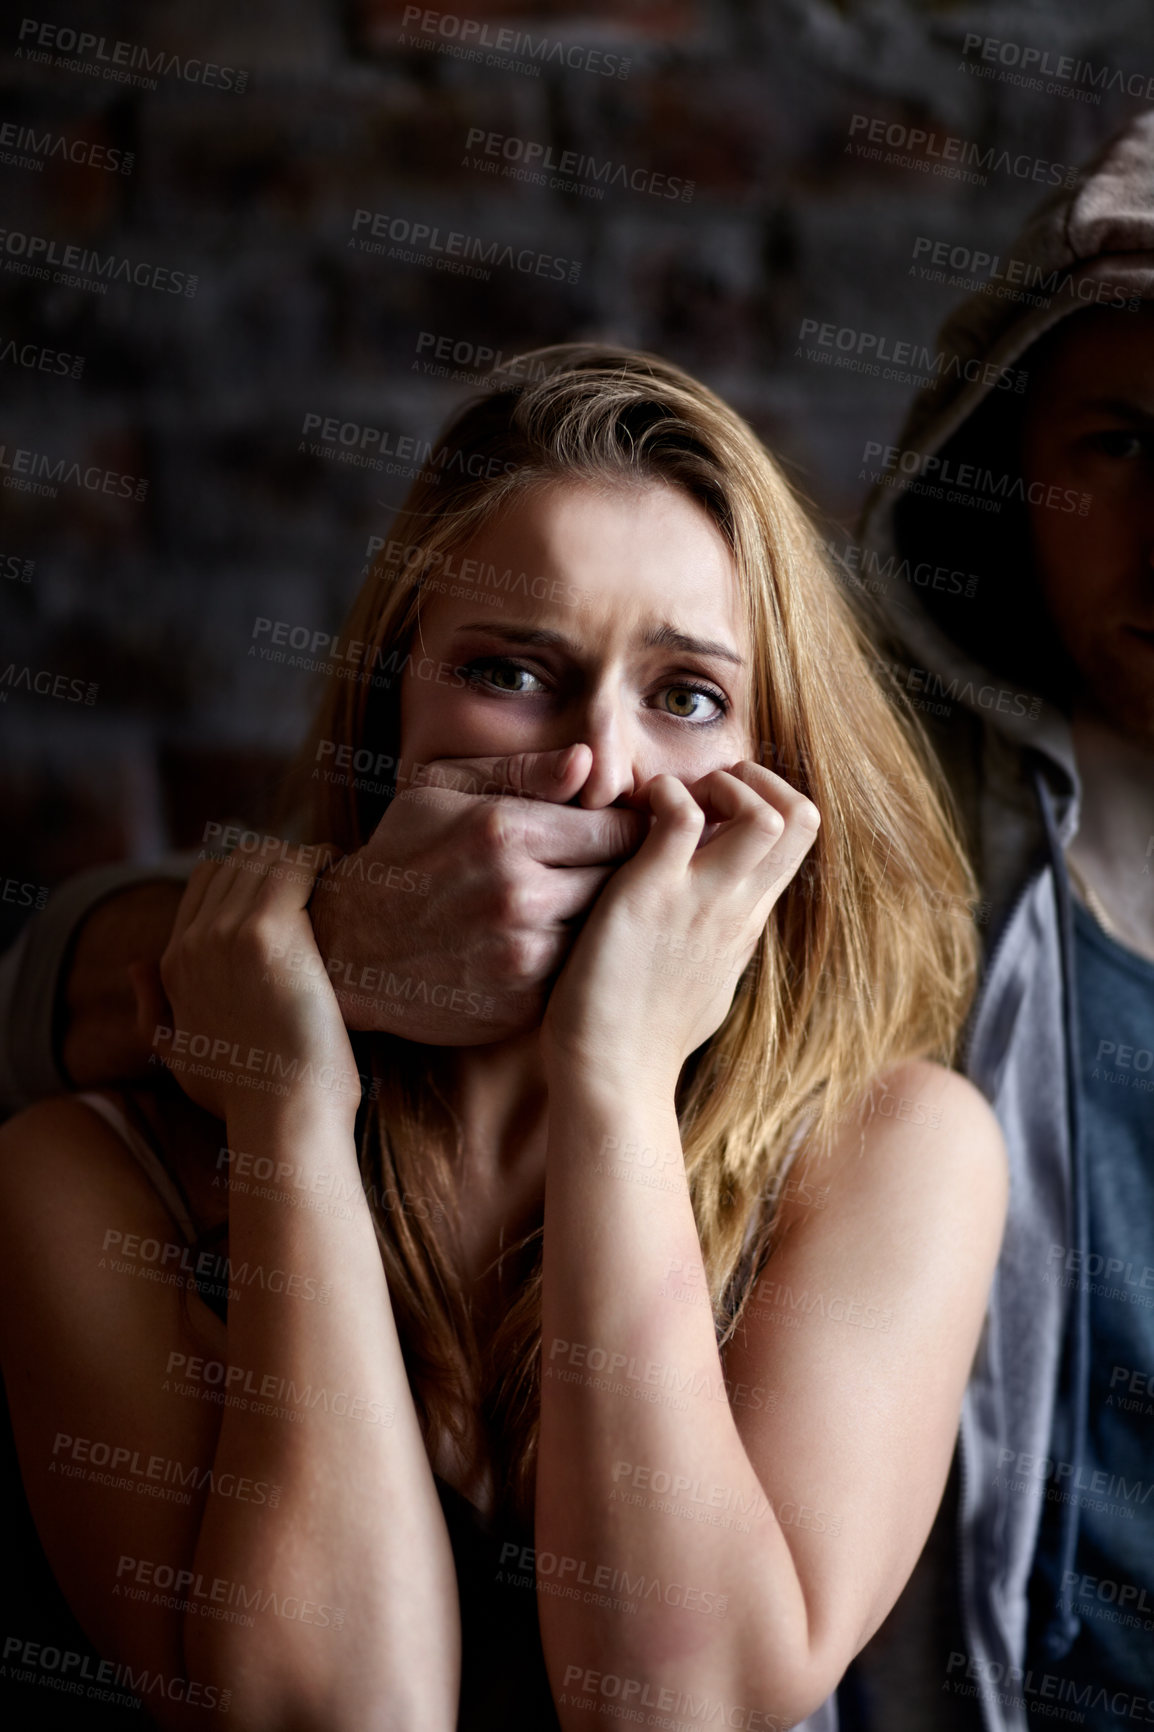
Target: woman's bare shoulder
point(60, 1145)
point(63, 1154)
point(958, 1127)
point(68, 1182)
point(920, 1112)
point(943, 1092)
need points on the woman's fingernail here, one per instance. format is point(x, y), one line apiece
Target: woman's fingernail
point(561, 764)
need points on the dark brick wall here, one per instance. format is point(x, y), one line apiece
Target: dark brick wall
point(252, 310)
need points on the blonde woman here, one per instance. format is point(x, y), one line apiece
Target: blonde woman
point(621, 1377)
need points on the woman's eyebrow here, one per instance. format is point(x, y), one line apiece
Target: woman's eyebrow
point(656, 637)
point(527, 634)
point(668, 637)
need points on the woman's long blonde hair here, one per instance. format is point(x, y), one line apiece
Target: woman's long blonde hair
point(868, 959)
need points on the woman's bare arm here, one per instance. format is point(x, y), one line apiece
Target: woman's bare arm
point(762, 1513)
point(327, 1413)
point(306, 1391)
point(832, 1445)
point(275, 1469)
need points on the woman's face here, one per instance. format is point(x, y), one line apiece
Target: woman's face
point(651, 668)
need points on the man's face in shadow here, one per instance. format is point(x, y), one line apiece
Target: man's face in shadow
point(1089, 431)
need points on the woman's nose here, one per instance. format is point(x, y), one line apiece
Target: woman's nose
point(614, 771)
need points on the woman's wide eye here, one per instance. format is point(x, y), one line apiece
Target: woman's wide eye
point(691, 703)
point(504, 675)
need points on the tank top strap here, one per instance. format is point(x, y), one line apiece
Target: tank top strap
point(134, 1139)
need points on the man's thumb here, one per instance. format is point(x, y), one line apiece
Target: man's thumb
point(557, 775)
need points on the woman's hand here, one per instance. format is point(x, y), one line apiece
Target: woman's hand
point(654, 971)
point(254, 1018)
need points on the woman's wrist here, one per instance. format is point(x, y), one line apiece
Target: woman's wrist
point(605, 1059)
point(312, 1116)
point(608, 1076)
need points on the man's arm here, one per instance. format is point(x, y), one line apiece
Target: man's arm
point(67, 1011)
point(446, 927)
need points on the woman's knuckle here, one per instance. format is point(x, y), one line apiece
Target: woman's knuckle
point(256, 935)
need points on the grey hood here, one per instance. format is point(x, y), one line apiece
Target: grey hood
point(942, 540)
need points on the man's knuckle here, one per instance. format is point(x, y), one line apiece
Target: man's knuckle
point(511, 906)
point(515, 903)
point(517, 955)
point(513, 773)
point(495, 830)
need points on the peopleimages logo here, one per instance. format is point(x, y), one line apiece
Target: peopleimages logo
point(1034, 65)
point(419, 243)
point(39, 359)
point(866, 568)
point(967, 479)
point(528, 159)
point(1044, 1691)
point(15, 139)
point(359, 443)
point(471, 363)
point(84, 268)
point(948, 156)
point(77, 1674)
point(16, 569)
point(189, 1590)
point(471, 39)
point(871, 349)
point(120, 62)
point(975, 271)
point(46, 684)
point(37, 472)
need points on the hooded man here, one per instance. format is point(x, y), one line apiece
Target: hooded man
point(1009, 541)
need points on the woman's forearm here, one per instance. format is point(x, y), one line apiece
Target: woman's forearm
point(633, 1397)
point(326, 1416)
